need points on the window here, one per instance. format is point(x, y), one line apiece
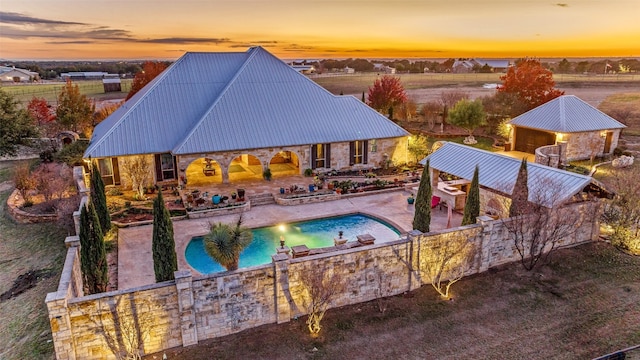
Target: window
point(358, 152)
point(109, 171)
point(165, 167)
point(320, 156)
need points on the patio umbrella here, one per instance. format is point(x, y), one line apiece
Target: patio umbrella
point(449, 215)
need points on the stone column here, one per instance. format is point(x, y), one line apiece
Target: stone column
point(283, 295)
point(60, 326)
point(562, 152)
point(484, 238)
point(414, 237)
point(186, 308)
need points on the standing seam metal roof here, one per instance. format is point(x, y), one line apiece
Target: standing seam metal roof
point(566, 114)
point(208, 102)
point(499, 172)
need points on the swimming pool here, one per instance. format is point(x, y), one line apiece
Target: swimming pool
point(313, 233)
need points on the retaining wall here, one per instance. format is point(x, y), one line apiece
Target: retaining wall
point(190, 309)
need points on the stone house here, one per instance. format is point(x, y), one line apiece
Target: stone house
point(451, 170)
point(579, 129)
point(233, 115)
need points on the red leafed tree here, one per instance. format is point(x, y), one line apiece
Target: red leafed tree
point(386, 93)
point(531, 83)
point(150, 69)
point(39, 110)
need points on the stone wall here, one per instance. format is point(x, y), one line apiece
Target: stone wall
point(579, 144)
point(188, 310)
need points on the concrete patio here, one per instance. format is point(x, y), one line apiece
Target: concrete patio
point(135, 261)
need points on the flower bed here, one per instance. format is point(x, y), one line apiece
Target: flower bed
point(136, 216)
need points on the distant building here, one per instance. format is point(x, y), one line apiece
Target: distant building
point(468, 65)
point(111, 83)
point(13, 74)
point(86, 75)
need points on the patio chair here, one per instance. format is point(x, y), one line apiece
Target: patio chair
point(435, 201)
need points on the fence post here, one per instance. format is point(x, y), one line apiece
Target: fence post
point(188, 327)
point(60, 326)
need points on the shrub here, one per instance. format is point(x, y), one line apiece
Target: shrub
point(72, 154)
point(114, 191)
point(308, 172)
point(618, 151)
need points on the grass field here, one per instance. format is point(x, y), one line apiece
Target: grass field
point(25, 329)
point(357, 83)
point(91, 88)
point(585, 303)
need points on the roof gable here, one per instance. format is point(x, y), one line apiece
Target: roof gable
point(499, 172)
point(566, 114)
point(207, 102)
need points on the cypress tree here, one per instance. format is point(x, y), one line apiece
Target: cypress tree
point(93, 257)
point(363, 96)
point(520, 195)
point(472, 206)
point(422, 216)
point(165, 261)
point(99, 199)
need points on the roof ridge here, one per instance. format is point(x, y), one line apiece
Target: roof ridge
point(153, 84)
point(251, 54)
point(562, 113)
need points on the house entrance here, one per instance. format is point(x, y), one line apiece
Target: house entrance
point(528, 140)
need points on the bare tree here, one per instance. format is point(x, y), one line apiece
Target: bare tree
point(622, 114)
point(547, 218)
point(447, 259)
point(383, 291)
point(137, 170)
point(321, 285)
point(594, 145)
point(126, 326)
point(622, 213)
point(23, 180)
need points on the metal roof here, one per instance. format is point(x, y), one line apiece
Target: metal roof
point(208, 102)
point(566, 114)
point(499, 172)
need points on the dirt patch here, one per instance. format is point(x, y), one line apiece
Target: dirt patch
point(25, 282)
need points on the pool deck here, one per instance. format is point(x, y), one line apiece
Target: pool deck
point(135, 261)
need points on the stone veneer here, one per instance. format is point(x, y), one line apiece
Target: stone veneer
point(188, 310)
point(577, 148)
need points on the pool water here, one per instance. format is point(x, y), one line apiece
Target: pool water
point(314, 233)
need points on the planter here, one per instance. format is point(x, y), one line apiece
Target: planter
point(312, 188)
point(281, 190)
point(410, 200)
point(240, 194)
point(216, 199)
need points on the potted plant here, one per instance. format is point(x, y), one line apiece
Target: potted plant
point(308, 172)
point(234, 195)
point(240, 194)
point(410, 199)
point(266, 174)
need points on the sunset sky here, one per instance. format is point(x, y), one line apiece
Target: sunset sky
point(137, 29)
